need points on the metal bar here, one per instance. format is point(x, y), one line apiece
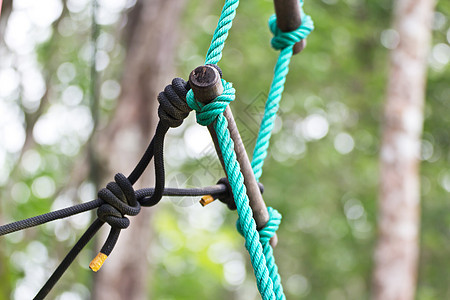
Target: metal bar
point(204, 80)
point(289, 19)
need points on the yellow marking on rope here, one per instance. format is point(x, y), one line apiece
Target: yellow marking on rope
point(97, 262)
point(207, 199)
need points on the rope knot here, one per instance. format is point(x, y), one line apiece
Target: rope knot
point(228, 198)
point(207, 113)
point(271, 227)
point(173, 108)
point(120, 200)
point(282, 39)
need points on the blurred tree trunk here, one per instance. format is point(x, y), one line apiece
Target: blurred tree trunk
point(397, 250)
point(150, 39)
point(1, 2)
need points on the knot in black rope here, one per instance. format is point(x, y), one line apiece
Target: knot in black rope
point(120, 200)
point(173, 108)
point(227, 197)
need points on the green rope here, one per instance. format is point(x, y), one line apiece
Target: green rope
point(265, 235)
point(214, 53)
point(283, 41)
point(213, 113)
point(256, 243)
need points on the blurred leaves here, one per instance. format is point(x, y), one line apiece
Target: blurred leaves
point(321, 173)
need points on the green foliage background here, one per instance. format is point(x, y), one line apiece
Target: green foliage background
point(327, 195)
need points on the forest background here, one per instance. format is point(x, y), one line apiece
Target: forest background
point(58, 146)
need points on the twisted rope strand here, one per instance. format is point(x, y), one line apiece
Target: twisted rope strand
point(224, 24)
point(213, 112)
point(285, 42)
point(247, 223)
point(265, 235)
point(271, 110)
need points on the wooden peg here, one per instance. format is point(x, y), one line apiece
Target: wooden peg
point(289, 19)
point(206, 84)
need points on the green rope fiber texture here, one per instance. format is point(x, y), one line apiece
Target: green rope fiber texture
point(257, 243)
point(283, 41)
point(213, 112)
point(265, 235)
point(214, 53)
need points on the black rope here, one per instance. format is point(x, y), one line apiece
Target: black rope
point(172, 110)
point(51, 216)
point(218, 191)
point(87, 236)
point(142, 164)
point(119, 198)
point(158, 139)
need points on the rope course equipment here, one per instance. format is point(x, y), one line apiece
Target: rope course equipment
point(209, 95)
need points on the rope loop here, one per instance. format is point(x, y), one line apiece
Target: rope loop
point(271, 227)
point(207, 113)
point(120, 200)
point(282, 40)
point(266, 233)
point(173, 108)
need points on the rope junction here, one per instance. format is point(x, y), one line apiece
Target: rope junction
point(119, 199)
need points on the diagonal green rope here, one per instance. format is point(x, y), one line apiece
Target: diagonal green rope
point(283, 41)
point(265, 235)
point(214, 53)
point(251, 235)
point(213, 113)
point(257, 243)
point(270, 111)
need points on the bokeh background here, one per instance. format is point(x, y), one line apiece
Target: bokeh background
point(321, 173)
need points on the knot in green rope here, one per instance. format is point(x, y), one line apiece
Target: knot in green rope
point(266, 233)
point(207, 113)
point(282, 39)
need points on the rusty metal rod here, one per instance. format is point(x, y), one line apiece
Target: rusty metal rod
point(289, 19)
point(206, 85)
